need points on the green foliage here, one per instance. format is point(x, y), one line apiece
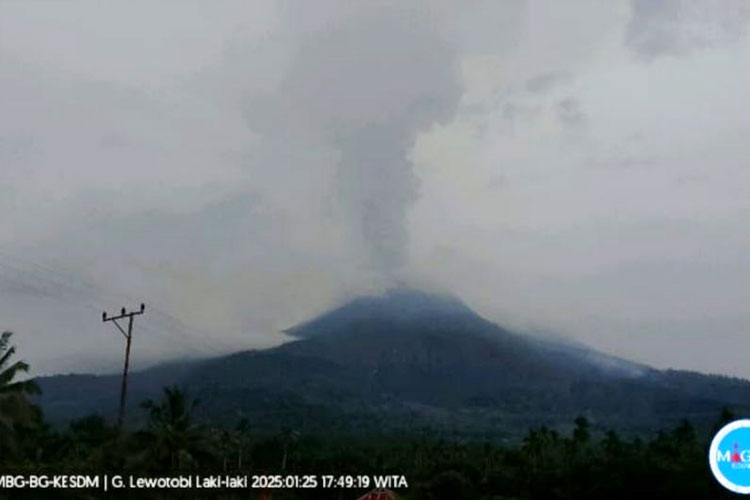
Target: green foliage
point(172, 439)
point(17, 414)
point(581, 463)
point(547, 464)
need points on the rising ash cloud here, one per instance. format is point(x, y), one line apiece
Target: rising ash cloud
point(366, 89)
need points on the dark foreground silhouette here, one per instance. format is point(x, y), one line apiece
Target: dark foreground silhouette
point(583, 463)
point(545, 465)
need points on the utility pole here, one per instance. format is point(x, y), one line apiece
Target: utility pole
point(128, 339)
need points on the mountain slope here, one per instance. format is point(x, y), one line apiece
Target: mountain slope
point(408, 359)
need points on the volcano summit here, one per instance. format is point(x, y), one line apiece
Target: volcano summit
point(411, 360)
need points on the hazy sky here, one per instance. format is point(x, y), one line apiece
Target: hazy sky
point(580, 168)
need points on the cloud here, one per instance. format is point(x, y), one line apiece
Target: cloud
point(545, 81)
point(271, 165)
point(241, 167)
point(676, 27)
point(594, 229)
point(366, 96)
point(569, 111)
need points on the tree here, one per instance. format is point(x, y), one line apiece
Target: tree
point(16, 411)
point(92, 440)
point(291, 437)
point(725, 417)
point(581, 433)
point(174, 440)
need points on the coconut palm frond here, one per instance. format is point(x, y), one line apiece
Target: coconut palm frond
point(16, 410)
point(21, 387)
point(7, 375)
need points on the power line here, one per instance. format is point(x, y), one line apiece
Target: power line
point(67, 285)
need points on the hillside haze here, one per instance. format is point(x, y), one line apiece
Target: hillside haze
point(407, 361)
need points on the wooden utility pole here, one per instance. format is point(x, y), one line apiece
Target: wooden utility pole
point(128, 340)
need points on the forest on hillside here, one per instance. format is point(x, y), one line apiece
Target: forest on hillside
point(672, 463)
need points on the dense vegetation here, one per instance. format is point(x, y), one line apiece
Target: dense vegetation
point(545, 465)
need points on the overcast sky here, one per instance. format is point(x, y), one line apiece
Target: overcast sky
point(579, 168)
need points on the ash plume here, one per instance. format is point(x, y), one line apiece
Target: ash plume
point(367, 88)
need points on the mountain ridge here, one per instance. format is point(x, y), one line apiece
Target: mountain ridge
point(407, 360)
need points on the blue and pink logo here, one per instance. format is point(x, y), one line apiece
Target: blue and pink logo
point(729, 456)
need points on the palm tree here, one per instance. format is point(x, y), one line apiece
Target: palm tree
point(291, 437)
point(16, 411)
point(175, 441)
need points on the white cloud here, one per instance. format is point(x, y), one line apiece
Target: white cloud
point(576, 167)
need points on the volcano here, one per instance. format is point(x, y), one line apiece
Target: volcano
point(407, 361)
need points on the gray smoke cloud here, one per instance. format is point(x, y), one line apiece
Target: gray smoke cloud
point(677, 27)
point(366, 88)
point(241, 166)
